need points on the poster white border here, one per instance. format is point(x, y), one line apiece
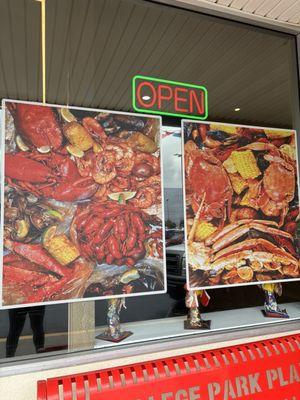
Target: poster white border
point(2, 175)
point(183, 121)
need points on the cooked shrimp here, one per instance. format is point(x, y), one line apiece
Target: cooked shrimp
point(144, 198)
point(101, 193)
point(103, 170)
point(119, 184)
point(117, 150)
point(154, 180)
point(125, 165)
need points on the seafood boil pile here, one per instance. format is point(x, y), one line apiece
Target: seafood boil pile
point(82, 204)
point(241, 204)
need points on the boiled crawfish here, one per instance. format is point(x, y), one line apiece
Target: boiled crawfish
point(51, 175)
point(112, 233)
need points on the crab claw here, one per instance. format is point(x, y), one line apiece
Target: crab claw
point(78, 190)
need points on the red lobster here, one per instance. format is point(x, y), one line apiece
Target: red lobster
point(50, 175)
point(35, 258)
point(36, 124)
point(32, 275)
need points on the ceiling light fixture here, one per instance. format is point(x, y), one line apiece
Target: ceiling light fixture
point(237, 109)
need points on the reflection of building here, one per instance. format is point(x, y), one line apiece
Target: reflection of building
point(174, 204)
point(171, 146)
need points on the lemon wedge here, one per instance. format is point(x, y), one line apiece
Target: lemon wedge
point(22, 146)
point(55, 214)
point(67, 115)
point(119, 196)
point(43, 149)
point(274, 133)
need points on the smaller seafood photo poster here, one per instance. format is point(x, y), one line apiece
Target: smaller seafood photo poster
point(81, 206)
point(241, 204)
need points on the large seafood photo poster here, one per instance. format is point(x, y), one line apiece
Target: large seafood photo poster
point(82, 207)
point(241, 204)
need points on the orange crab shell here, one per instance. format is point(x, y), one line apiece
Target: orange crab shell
point(279, 182)
point(206, 175)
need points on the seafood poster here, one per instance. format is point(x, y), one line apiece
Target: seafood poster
point(82, 208)
point(241, 204)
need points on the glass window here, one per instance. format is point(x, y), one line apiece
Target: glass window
point(94, 49)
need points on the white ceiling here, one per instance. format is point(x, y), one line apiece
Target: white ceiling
point(95, 47)
point(279, 10)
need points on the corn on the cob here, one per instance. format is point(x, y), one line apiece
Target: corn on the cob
point(229, 165)
point(277, 133)
point(288, 150)
point(204, 230)
point(238, 183)
point(248, 201)
point(62, 249)
point(231, 129)
point(245, 164)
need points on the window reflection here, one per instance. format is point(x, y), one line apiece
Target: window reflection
point(17, 317)
point(172, 163)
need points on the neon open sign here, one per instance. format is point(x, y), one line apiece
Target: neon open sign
point(163, 97)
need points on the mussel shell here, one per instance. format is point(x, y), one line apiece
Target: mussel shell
point(130, 276)
point(145, 284)
point(94, 290)
point(37, 221)
point(262, 162)
point(38, 217)
point(259, 135)
point(21, 230)
point(243, 141)
point(188, 128)
point(199, 142)
point(110, 126)
point(221, 136)
point(20, 202)
point(31, 198)
point(103, 116)
point(11, 213)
